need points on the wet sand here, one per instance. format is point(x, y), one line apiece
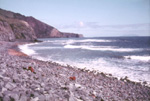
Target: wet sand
point(25, 79)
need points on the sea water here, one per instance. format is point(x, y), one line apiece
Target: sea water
point(119, 56)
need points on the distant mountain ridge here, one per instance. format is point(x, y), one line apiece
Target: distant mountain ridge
point(14, 26)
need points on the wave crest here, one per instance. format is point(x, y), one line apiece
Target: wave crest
point(103, 48)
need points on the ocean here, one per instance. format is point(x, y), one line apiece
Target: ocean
point(118, 56)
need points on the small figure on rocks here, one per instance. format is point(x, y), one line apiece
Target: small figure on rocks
point(31, 69)
point(72, 78)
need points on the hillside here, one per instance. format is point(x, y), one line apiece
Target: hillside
point(14, 26)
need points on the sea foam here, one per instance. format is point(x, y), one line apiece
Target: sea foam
point(140, 58)
point(103, 48)
point(25, 49)
point(72, 41)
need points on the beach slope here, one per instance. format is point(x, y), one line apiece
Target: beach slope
point(23, 78)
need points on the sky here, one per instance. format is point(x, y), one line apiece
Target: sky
point(92, 18)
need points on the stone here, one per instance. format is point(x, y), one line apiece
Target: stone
point(23, 98)
point(10, 86)
point(3, 89)
point(35, 99)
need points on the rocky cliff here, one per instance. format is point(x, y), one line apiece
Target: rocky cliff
point(14, 29)
point(14, 26)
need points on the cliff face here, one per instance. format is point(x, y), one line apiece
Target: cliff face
point(14, 29)
point(69, 35)
point(14, 26)
point(6, 33)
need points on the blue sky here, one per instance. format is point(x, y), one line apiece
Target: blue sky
point(91, 18)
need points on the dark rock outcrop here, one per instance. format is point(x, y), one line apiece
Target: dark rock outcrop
point(14, 26)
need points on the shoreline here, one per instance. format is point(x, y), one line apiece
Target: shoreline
point(53, 81)
point(125, 78)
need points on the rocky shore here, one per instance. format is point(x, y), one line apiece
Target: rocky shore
point(25, 79)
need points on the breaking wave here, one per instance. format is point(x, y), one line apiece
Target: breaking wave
point(104, 48)
point(140, 58)
point(71, 41)
point(25, 49)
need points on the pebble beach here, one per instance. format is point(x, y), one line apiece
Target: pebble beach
point(23, 78)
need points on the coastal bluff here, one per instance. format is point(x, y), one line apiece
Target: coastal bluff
point(14, 26)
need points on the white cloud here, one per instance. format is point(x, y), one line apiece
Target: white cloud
point(81, 24)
